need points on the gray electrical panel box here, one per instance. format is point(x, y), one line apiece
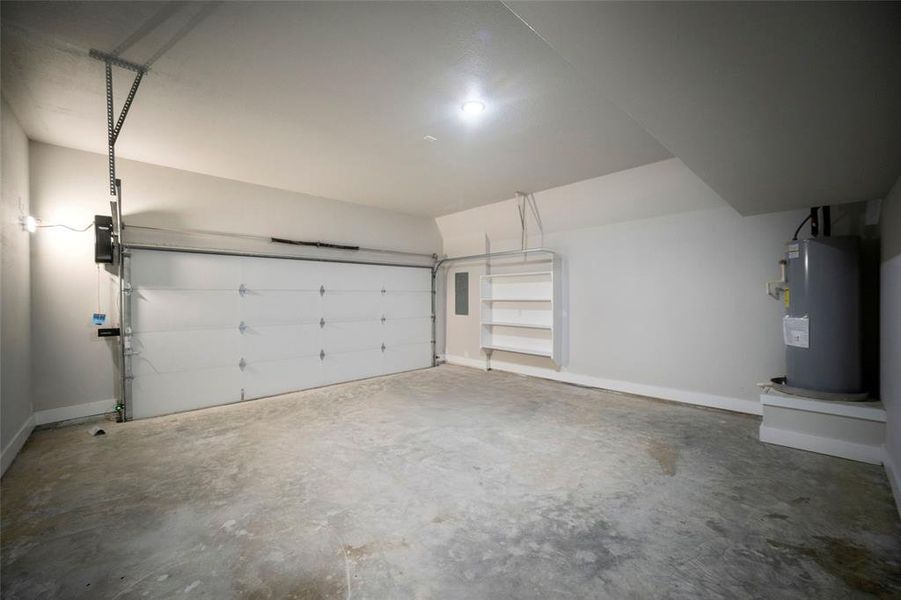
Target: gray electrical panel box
point(822, 323)
point(461, 293)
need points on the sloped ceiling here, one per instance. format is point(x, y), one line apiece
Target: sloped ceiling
point(332, 99)
point(774, 105)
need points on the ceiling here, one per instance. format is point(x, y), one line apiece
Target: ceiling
point(775, 105)
point(331, 99)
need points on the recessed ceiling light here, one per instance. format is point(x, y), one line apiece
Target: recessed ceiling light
point(472, 107)
point(430, 138)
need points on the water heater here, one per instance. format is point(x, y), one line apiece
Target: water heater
point(822, 322)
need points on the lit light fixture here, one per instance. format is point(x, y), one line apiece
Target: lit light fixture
point(430, 138)
point(472, 107)
point(29, 223)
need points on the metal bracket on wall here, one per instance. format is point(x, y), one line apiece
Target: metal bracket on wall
point(113, 130)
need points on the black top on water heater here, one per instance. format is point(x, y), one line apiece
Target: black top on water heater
point(822, 324)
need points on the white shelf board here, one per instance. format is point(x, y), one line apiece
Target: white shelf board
point(529, 274)
point(531, 351)
point(517, 300)
point(510, 324)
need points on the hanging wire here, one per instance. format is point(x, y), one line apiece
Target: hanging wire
point(98, 288)
point(76, 229)
point(533, 204)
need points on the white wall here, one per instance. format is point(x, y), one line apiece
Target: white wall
point(71, 365)
point(15, 291)
point(671, 306)
point(890, 325)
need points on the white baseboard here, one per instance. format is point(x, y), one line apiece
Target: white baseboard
point(687, 397)
point(822, 445)
point(894, 479)
point(12, 448)
point(463, 361)
point(89, 409)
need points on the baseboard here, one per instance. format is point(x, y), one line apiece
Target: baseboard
point(686, 397)
point(464, 361)
point(88, 409)
point(822, 445)
point(9, 453)
point(894, 479)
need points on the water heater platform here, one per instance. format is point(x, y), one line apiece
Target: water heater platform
point(852, 430)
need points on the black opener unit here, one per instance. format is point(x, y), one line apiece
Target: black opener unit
point(103, 239)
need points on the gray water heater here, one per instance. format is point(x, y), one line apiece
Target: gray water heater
point(822, 323)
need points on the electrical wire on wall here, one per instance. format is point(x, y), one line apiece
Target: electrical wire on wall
point(99, 317)
point(62, 226)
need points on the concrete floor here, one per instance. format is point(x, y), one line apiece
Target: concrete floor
point(444, 483)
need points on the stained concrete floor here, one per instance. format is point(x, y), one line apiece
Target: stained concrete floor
point(444, 483)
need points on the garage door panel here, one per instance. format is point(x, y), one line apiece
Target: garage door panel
point(399, 305)
point(352, 335)
point(398, 331)
point(343, 306)
point(170, 351)
point(268, 273)
point(280, 342)
point(349, 366)
point(288, 307)
point(180, 310)
point(176, 270)
point(189, 345)
point(186, 390)
point(350, 277)
point(281, 376)
point(406, 357)
point(407, 279)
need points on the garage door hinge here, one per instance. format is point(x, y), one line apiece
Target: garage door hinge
point(322, 290)
point(321, 323)
point(383, 319)
point(242, 290)
point(383, 346)
point(242, 327)
point(322, 355)
point(242, 363)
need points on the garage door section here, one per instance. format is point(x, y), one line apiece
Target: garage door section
point(210, 329)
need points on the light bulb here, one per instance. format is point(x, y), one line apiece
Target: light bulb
point(472, 107)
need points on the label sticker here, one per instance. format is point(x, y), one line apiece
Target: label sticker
point(796, 331)
point(786, 297)
point(793, 250)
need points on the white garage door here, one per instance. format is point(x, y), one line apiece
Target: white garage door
point(210, 329)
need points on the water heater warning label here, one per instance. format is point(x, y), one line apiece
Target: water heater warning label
point(796, 331)
point(793, 250)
